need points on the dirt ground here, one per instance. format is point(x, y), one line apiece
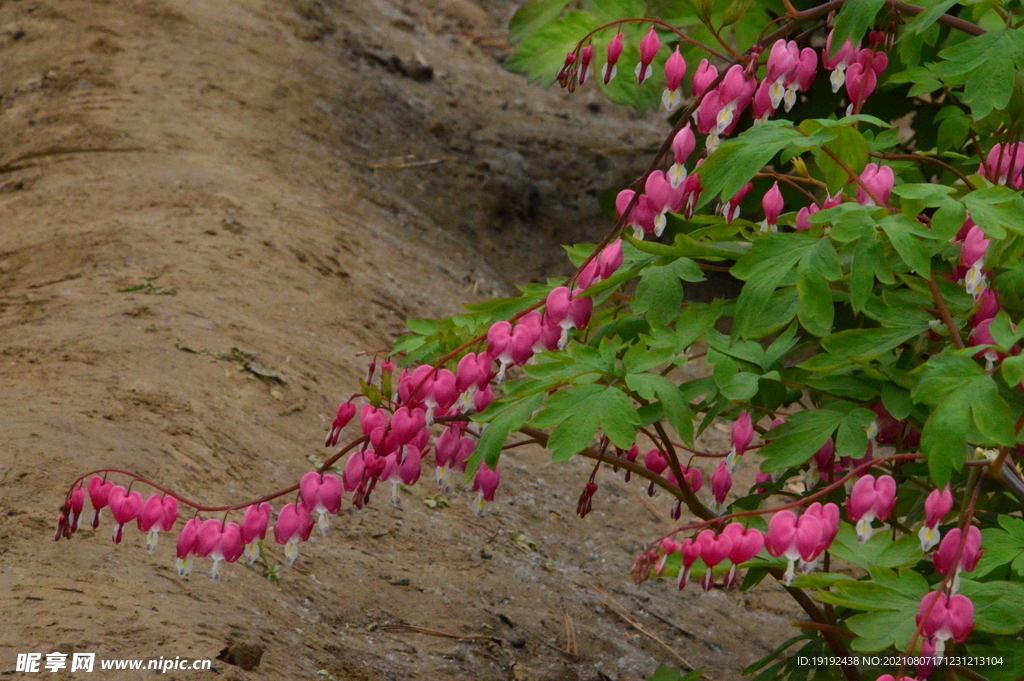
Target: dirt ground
point(285, 183)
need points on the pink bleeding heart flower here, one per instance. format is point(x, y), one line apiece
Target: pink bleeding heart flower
point(254, 529)
point(707, 113)
point(975, 247)
point(485, 483)
point(499, 346)
point(668, 547)
point(186, 546)
point(928, 658)
point(982, 335)
point(639, 211)
point(801, 78)
point(742, 436)
point(860, 83)
point(483, 398)
point(567, 69)
point(870, 500)
point(346, 410)
point(611, 259)
point(405, 424)
point(782, 62)
point(683, 145)
point(441, 393)
point(988, 306)
point(804, 214)
point(721, 483)
point(691, 552)
point(371, 418)
point(467, 446)
point(658, 194)
point(1004, 164)
point(219, 542)
point(75, 505)
point(589, 275)
point(737, 91)
point(294, 524)
point(446, 449)
point(614, 51)
point(972, 256)
point(649, 46)
point(731, 208)
point(321, 493)
point(99, 497)
point(889, 677)
point(586, 59)
point(746, 543)
point(524, 337)
point(409, 470)
point(630, 455)
point(713, 550)
point(969, 557)
point(693, 477)
point(879, 180)
point(125, 507)
point(705, 74)
point(760, 482)
point(655, 462)
point(828, 516)
point(772, 204)
point(838, 63)
point(793, 539)
point(675, 69)
point(352, 476)
point(945, 617)
point(469, 373)
point(824, 464)
point(763, 108)
point(936, 507)
point(692, 190)
point(158, 513)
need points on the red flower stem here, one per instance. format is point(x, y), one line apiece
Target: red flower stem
point(817, 495)
point(215, 509)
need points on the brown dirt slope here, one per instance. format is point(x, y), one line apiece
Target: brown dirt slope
point(285, 183)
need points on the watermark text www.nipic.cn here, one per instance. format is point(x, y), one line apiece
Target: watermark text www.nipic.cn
point(86, 662)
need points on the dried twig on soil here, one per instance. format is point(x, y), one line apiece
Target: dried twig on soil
point(402, 162)
point(571, 648)
point(622, 612)
point(431, 632)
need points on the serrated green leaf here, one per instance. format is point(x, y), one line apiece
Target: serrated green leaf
point(501, 419)
point(532, 16)
point(853, 21)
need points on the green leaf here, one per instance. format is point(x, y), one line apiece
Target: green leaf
point(998, 606)
point(502, 418)
point(532, 16)
point(677, 410)
point(659, 293)
point(853, 21)
point(1002, 547)
point(922, 22)
point(852, 149)
point(868, 343)
point(599, 406)
point(901, 229)
point(798, 439)
point(990, 84)
point(995, 209)
point(1013, 369)
point(734, 163)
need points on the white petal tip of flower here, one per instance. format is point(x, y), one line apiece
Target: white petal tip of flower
point(184, 566)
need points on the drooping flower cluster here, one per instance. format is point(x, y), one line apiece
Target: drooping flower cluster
point(802, 539)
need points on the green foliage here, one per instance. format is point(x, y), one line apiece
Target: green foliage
point(865, 312)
